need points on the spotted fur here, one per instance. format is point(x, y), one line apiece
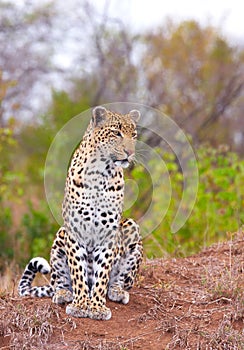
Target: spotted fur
point(96, 254)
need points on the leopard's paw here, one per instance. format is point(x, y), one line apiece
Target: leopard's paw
point(100, 313)
point(119, 295)
point(77, 310)
point(62, 296)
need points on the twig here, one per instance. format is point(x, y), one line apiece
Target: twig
point(213, 301)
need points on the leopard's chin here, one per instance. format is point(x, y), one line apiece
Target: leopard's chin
point(123, 163)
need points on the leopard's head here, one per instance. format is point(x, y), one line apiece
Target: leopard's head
point(115, 134)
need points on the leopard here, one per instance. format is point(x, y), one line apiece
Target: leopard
point(96, 254)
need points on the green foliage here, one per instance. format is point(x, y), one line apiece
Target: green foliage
point(9, 179)
point(10, 189)
point(33, 233)
point(38, 232)
point(64, 108)
point(5, 228)
point(35, 139)
point(218, 208)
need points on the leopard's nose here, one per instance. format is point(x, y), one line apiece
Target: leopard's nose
point(129, 152)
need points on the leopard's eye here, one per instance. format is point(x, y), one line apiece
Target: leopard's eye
point(134, 135)
point(117, 133)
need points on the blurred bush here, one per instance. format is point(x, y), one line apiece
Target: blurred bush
point(218, 208)
point(38, 231)
point(11, 190)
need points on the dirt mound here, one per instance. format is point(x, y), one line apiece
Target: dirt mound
point(188, 303)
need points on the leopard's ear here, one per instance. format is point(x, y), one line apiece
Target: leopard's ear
point(135, 115)
point(99, 116)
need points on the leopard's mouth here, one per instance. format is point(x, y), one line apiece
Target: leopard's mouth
point(124, 163)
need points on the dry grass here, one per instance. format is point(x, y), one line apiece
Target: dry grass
point(24, 330)
point(206, 312)
point(225, 337)
point(225, 279)
point(9, 280)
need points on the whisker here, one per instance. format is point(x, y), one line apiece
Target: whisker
point(142, 157)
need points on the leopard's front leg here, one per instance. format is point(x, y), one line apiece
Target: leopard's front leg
point(77, 261)
point(127, 262)
point(103, 258)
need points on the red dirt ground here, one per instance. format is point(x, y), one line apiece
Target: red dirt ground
point(188, 303)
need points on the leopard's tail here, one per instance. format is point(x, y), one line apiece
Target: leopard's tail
point(25, 288)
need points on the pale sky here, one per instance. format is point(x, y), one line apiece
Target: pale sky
point(225, 14)
point(142, 14)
